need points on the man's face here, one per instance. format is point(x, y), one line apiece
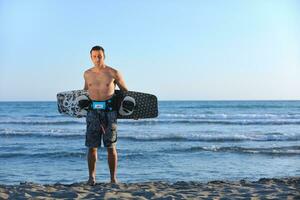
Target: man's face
point(97, 57)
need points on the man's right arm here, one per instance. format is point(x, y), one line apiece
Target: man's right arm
point(85, 83)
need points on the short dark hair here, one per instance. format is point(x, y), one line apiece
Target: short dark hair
point(97, 48)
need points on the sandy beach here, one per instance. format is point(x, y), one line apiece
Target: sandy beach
point(284, 188)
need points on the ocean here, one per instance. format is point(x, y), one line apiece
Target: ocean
point(189, 141)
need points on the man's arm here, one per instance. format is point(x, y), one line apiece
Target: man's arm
point(120, 81)
point(85, 83)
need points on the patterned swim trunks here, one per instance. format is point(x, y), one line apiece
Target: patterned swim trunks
point(101, 125)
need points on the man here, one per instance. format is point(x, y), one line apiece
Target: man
point(100, 81)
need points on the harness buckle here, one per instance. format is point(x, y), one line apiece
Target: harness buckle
point(99, 105)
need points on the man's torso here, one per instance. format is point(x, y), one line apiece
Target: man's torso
point(101, 83)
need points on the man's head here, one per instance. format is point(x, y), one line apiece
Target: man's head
point(97, 55)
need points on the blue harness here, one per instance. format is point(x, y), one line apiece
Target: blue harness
point(107, 105)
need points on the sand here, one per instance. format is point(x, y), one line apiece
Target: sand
point(284, 188)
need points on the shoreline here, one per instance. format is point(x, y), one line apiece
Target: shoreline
point(267, 188)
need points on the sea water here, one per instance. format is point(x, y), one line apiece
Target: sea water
point(189, 141)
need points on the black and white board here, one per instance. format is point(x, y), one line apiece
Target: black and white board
point(145, 105)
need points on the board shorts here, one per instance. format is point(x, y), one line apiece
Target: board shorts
point(101, 125)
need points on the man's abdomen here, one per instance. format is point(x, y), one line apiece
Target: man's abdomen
point(101, 94)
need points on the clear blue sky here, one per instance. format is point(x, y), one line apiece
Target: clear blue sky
point(194, 50)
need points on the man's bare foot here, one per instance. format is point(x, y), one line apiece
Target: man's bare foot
point(114, 180)
point(91, 181)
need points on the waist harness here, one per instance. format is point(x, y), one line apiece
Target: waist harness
point(107, 105)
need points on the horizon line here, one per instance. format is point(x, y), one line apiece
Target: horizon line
point(4, 101)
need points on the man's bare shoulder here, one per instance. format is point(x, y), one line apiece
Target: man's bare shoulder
point(112, 70)
point(88, 71)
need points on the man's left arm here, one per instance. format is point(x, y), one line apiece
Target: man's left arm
point(120, 81)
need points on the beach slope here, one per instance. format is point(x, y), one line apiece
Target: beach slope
point(284, 188)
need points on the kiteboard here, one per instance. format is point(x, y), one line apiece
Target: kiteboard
point(129, 104)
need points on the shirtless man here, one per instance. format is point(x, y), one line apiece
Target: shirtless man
point(100, 81)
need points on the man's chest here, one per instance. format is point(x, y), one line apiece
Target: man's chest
point(99, 79)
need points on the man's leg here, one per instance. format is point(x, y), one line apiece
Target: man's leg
point(92, 158)
point(112, 158)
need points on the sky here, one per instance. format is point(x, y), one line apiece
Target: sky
point(177, 50)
